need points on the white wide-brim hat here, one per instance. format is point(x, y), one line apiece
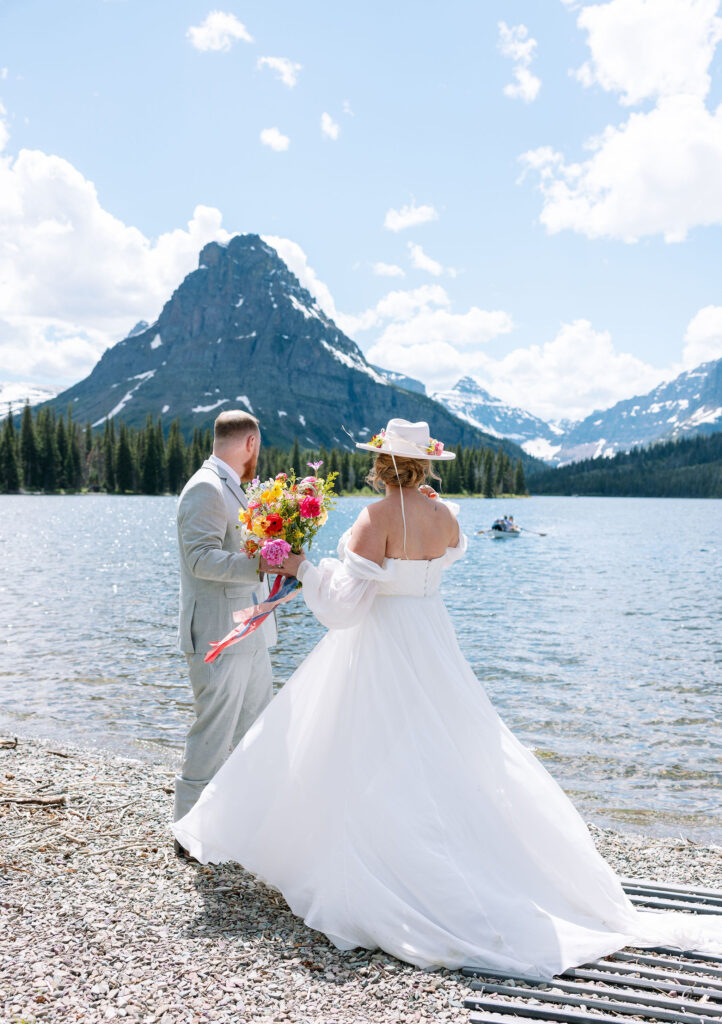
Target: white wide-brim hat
point(408, 441)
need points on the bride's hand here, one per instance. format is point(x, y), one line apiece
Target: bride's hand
point(428, 491)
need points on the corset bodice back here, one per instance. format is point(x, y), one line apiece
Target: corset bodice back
point(410, 577)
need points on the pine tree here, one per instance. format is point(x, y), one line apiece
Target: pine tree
point(150, 464)
point(73, 466)
point(296, 459)
point(9, 467)
point(108, 460)
point(195, 453)
point(499, 467)
point(519, 481)
point(469, 478)
point(61, 444)
point(45, 428)
point(175, 458)
point(160, 449)
point(452, 482)
point(487, 473)
point(29, 453)
point(124, 462)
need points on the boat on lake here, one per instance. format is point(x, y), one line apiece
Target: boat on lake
point(504, 529)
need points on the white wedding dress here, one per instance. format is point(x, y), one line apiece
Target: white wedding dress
point(382, 794)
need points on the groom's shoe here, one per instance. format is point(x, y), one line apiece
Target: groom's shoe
point(182, 853)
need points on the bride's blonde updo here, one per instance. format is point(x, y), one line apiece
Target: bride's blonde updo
point(411, 472)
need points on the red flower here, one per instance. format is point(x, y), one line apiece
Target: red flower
point(274, 523)
point(309, 508)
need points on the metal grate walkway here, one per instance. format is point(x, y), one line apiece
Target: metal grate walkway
point(657, 984)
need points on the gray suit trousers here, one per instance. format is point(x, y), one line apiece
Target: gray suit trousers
point(229, 695)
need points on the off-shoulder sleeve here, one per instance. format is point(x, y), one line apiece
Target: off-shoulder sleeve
point(340, 592)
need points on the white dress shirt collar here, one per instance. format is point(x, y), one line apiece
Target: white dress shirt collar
point(228, 470)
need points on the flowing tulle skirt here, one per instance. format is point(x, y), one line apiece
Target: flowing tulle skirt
point(383, 795)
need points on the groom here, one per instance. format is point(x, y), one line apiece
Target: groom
point(217, 579)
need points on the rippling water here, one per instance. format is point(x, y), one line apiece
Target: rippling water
point(600, 644)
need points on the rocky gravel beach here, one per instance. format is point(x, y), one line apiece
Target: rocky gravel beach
point(101, 921)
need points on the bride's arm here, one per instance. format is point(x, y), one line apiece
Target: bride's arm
point(335, 593)
point(340, 592)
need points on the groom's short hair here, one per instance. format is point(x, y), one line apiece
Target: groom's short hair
point(234, 423)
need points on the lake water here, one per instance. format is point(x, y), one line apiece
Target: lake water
point(599, 644)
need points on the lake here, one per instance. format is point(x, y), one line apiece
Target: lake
point(600, 644)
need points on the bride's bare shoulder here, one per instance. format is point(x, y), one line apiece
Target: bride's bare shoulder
point(446, 520)
point(369, 532)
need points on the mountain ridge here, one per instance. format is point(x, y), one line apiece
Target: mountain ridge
point(241, 331)
point(687, 405)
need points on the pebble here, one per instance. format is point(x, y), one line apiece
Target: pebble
point(110, 925)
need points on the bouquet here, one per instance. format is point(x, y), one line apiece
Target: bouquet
point(283, 516)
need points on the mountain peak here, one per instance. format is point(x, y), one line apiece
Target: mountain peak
point(241, 331)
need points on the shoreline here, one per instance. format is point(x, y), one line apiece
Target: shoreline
point(104, 922)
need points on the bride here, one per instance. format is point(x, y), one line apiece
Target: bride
point(383, 795)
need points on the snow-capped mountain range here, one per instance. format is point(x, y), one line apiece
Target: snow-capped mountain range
point(470, 401)
point(14, 395)
point(689, 404)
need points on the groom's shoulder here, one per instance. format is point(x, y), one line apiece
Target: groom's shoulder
point(201, 480)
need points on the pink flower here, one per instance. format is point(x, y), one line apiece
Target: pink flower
point(309, 485)
point(309, 507)
point(276, 551)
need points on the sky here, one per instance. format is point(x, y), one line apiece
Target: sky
point(527, 192)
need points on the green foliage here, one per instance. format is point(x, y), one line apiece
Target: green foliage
point(29, 451)
point(686, 468)
point(124, 469)
point(55, 454)
point(9, 468)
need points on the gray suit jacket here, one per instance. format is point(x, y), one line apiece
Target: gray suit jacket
point(216, 577)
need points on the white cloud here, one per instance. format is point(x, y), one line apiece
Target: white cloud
point(648, 48)
point(3, 72)
point(218, 32)
point(409, 216)
point(441, 326)
point(329, 127)
point(285, 69)
point(275, 139)
point(387, 270)
point(421, 261)
point(703, 338)
point(74, 278)
point(658, 173)
point(347, 108)
point(396, 305)
point(576, 372)
point(517, 44)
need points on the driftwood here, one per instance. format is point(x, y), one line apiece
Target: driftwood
point(9, 744)
point(44, 801)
